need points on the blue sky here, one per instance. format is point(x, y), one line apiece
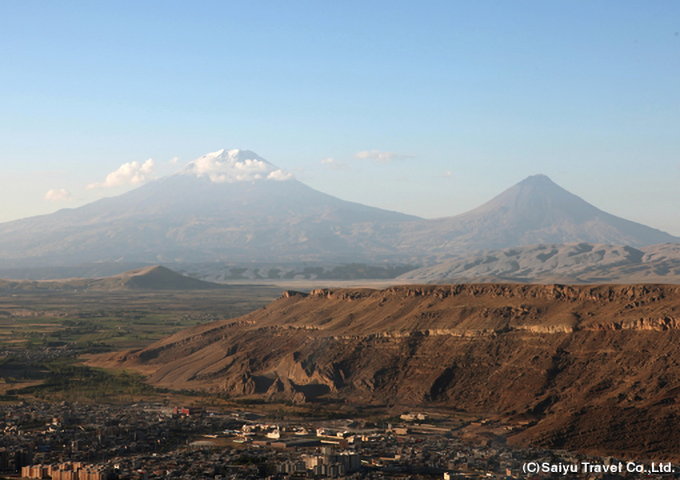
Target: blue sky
point(454, 101)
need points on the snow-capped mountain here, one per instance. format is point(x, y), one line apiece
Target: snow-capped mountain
point(230, 205)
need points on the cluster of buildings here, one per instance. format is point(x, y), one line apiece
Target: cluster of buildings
point(46, 434)
point(67, 471)
point(154, 441)
point(327, 463)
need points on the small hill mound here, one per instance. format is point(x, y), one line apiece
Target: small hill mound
point(161, 278)
point(147, 278)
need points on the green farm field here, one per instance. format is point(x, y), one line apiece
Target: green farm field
point(44, 336)
point(107, 321)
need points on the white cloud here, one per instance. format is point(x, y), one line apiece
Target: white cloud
point(333, 164)
point(446, 175)
point(235, 171)
point(228, 166)
point(131, 173)
point(279, 175)
point(380, 157)
point(174, 160)
point(61, 195)
point(235, 166)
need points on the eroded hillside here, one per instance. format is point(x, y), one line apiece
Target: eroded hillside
point(597, 366)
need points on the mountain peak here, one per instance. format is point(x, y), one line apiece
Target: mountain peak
point(229, 166)
point(537, 210)
point(538, 196)
point(233, 155)
point(538, 179)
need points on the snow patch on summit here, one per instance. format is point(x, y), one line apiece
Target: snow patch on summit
point(229, 166)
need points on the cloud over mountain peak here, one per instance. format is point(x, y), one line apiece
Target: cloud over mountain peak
point(229, 166)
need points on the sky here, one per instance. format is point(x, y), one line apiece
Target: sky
point(429, 108)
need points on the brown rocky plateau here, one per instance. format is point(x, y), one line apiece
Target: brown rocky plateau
point(597, 367)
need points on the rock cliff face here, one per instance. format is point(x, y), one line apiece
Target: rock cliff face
point(597, 366)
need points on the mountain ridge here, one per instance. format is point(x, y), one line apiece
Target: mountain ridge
point(577, 263)
point(232, 205)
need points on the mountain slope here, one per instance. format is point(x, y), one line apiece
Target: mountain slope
point(594, 365)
